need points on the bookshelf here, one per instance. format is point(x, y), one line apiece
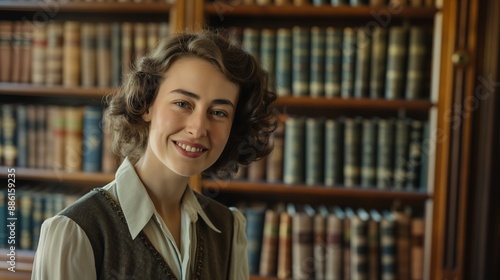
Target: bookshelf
point(234, 17)
point(449, 84)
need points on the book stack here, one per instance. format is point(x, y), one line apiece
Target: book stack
point(291, 241)
point(335, 3)
point(343, 62)
point(353, 152)
point(74, 54)
point(60, 138)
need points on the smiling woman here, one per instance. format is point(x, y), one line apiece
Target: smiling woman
point(187, 108)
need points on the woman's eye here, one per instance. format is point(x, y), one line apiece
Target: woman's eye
point(221, 114)
point(182, 104)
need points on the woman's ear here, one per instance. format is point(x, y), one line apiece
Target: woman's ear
point(147, 115)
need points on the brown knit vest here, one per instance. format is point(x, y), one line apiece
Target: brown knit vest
point(118, 256)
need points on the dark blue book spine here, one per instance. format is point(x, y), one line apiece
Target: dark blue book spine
point(254, 232)
point(22, 136)
point(92, 139)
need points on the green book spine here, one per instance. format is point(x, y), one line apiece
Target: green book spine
point(348, 63)
point(314, 149)
point(317, 70)
point(251, 41)
point(294, 150)
point(284, 62)
point(414, 155)
point(268, 53)
point(88, 54)
point(334, 139)
point(22, 135)
point(103, 52)
point(127, 47)
point(425, 157)
point(368, 153)
point(417, 53)
point(359, 245)
point(333, 61)
point(274, 165)
point(401, 147)
point(300, 63)
point(396, 66)
point(385, 143)
point(362, 69)
point(378, 62)
point(352, 152)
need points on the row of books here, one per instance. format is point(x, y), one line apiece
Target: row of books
point(102, 1)
point(34, 204)
point(347, 62)
point(74, 53)
point(348, 151)
point(65, 138)
point(329, 242)
point(411, 3)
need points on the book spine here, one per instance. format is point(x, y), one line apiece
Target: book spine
point(40, 130)
point(54, 54)
point(127, 45)
point(72, 53)
point(285, 246)
point(348, 62)
point(4, 231)
point(425, 147)
point(362, 68)
point(16, 52)
point(374, 249)
point(26, 49)
point(57, 123)
point(140, 41)
point(268, 53)
point(257, 170)
point(274, 172)
point(302, 247)
point(401, 153)
point(103, 54)
point(26, 211)
point(88, 54)
point(317, 64)
point(32, 135)
point(333, 258)
point(22, 135)
point(300, 62)
point(39, 50)
point(251, 42)
point(116, 54)
point(152, 37)
point(396, 66)
point(368, 153)
point(284, 62)
point(417, 53)
point(92, 139)
point(378, 62)
point(254, 231)
point(319, 228)
point(352, 154)
point(9, 127)
point(109, 162)
point(414, 155)
point(333, 61)
point(73, 141)
point(294, 150)
point(6, 30)
point(388, 249)
point(269, 253)
point(314, 150)
point(334, 139)
point(359, 248)
point(403, 244)
point(385, 143)
point(417, 248)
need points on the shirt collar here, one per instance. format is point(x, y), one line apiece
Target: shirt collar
point(137, 206)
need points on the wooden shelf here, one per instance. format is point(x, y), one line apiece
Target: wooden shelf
point(372, 104)
point(315, 194)
point(54, 91)
point(24, 264)
point(33, 174)
point(82, 7)
point(308, 11)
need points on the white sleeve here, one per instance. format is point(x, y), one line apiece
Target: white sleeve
point(64, 252)
point(239, 255)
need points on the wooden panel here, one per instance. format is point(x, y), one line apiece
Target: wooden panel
point(56, 91)
point(59, 176)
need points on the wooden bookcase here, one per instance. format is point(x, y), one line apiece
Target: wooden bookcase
point(454, 25)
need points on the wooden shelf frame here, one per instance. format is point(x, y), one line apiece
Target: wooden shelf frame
point(50, 175)
point(53, 91)
point(85, 7)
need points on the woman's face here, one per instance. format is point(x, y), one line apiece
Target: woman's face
point(191, 117)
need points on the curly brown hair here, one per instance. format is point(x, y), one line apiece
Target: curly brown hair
point(254, 120)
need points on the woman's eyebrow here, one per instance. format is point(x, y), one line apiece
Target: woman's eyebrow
point(197, 97)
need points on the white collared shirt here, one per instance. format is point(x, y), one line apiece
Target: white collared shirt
point(65, 252)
